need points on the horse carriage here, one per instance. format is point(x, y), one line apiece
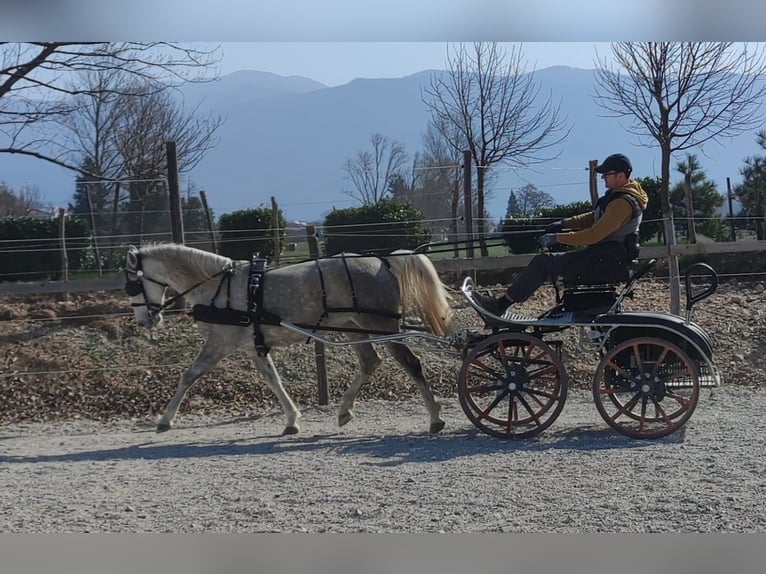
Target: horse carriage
point(512, 383)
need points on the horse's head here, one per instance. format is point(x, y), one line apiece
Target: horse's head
point(147, 294)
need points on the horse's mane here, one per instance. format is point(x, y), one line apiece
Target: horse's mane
point(182, 262)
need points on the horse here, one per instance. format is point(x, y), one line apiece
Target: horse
point(357, 295)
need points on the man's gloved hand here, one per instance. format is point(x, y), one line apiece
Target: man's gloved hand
point(555, 227)
point(548, 239)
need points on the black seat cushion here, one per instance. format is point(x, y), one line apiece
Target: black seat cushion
point(601, 264)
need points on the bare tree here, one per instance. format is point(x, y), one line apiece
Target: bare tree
point(37, 84)
point(440, 175)
point(27, 201)
point(140, 132)
point(370, 172)
point(487, 94)
point(681, 95)
point(531, 200)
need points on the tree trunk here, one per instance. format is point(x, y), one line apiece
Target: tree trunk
point(670, 233)
point(454, 211)
point(692, 233)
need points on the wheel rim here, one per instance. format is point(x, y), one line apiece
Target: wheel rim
point(512, 386)
point(646, 387)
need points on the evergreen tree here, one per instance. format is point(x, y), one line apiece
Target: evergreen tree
point(751, 193)
point(92, 194)
point(512, 210)
point(706, 202)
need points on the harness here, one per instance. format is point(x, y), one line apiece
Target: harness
point(255, 314)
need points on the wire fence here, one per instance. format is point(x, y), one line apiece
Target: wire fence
point(294, 239)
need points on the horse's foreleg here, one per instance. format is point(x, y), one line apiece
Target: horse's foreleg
point(368, 362)
point(266, 367)
point(412, 365)
point(207, 358)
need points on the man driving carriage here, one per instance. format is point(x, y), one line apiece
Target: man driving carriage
point(609, 232)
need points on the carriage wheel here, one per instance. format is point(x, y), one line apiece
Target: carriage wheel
point(646, 387)
point(512, 385)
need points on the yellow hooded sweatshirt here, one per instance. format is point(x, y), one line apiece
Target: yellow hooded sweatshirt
point(618, 212)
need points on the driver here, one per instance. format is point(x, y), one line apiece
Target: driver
point(616, 216)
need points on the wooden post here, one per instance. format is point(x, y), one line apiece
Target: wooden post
point(174, 198)
point(209, 219)
point(322, 394)
point(62, 242)
point(174, 194)
point(593, 181)
point(731, 210)
point(468, 202)
point(275, 230)
point(115, 204)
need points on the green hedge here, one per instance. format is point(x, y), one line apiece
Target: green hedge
point(377, 228)
point(249, 231)
point(30, 247)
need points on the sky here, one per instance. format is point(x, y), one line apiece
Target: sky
point(337, 63)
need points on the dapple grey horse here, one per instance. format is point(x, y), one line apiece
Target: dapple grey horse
point(358, 295)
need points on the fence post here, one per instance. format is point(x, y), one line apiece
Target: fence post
point(468, 205)
point(593, 181)
point(64, 256)
point(174, 197)
point(275, 229)
point(174, 194)
point(209, 220)
point(731, 210)
point(322, 394)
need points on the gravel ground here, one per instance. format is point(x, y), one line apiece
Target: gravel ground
point(82, 388)
point(383, 473)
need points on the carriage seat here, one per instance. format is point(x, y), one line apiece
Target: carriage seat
point(604, 268)
point(592, 286)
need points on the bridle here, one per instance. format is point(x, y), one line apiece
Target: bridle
point(135, 287)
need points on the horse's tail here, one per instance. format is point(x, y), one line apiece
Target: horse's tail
point(422, 290)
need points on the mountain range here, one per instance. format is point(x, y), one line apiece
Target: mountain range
point(288, 137)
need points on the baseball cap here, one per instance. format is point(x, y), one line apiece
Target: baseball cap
point(615, 162)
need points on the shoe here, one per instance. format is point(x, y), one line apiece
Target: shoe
point(488, 303)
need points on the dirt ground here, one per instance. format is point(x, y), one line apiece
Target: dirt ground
point(86, 358)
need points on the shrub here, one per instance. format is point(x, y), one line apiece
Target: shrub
point(29, 247)
point(248, 232)
point(378, 228)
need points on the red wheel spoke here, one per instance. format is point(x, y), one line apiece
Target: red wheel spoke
point(518, 368)
point(672, 389)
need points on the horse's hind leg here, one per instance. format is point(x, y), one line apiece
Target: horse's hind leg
point(412, 365)
point(368, 362)
point(207, 358)
point(265, 366)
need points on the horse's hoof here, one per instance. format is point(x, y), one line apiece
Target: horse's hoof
point(436, 427)
point(344, 418)
point(290, 430)
point(163, 427)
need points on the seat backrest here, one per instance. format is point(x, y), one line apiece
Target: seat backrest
point(605, 264)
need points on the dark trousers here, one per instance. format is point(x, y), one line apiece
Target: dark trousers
point(545, 267)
